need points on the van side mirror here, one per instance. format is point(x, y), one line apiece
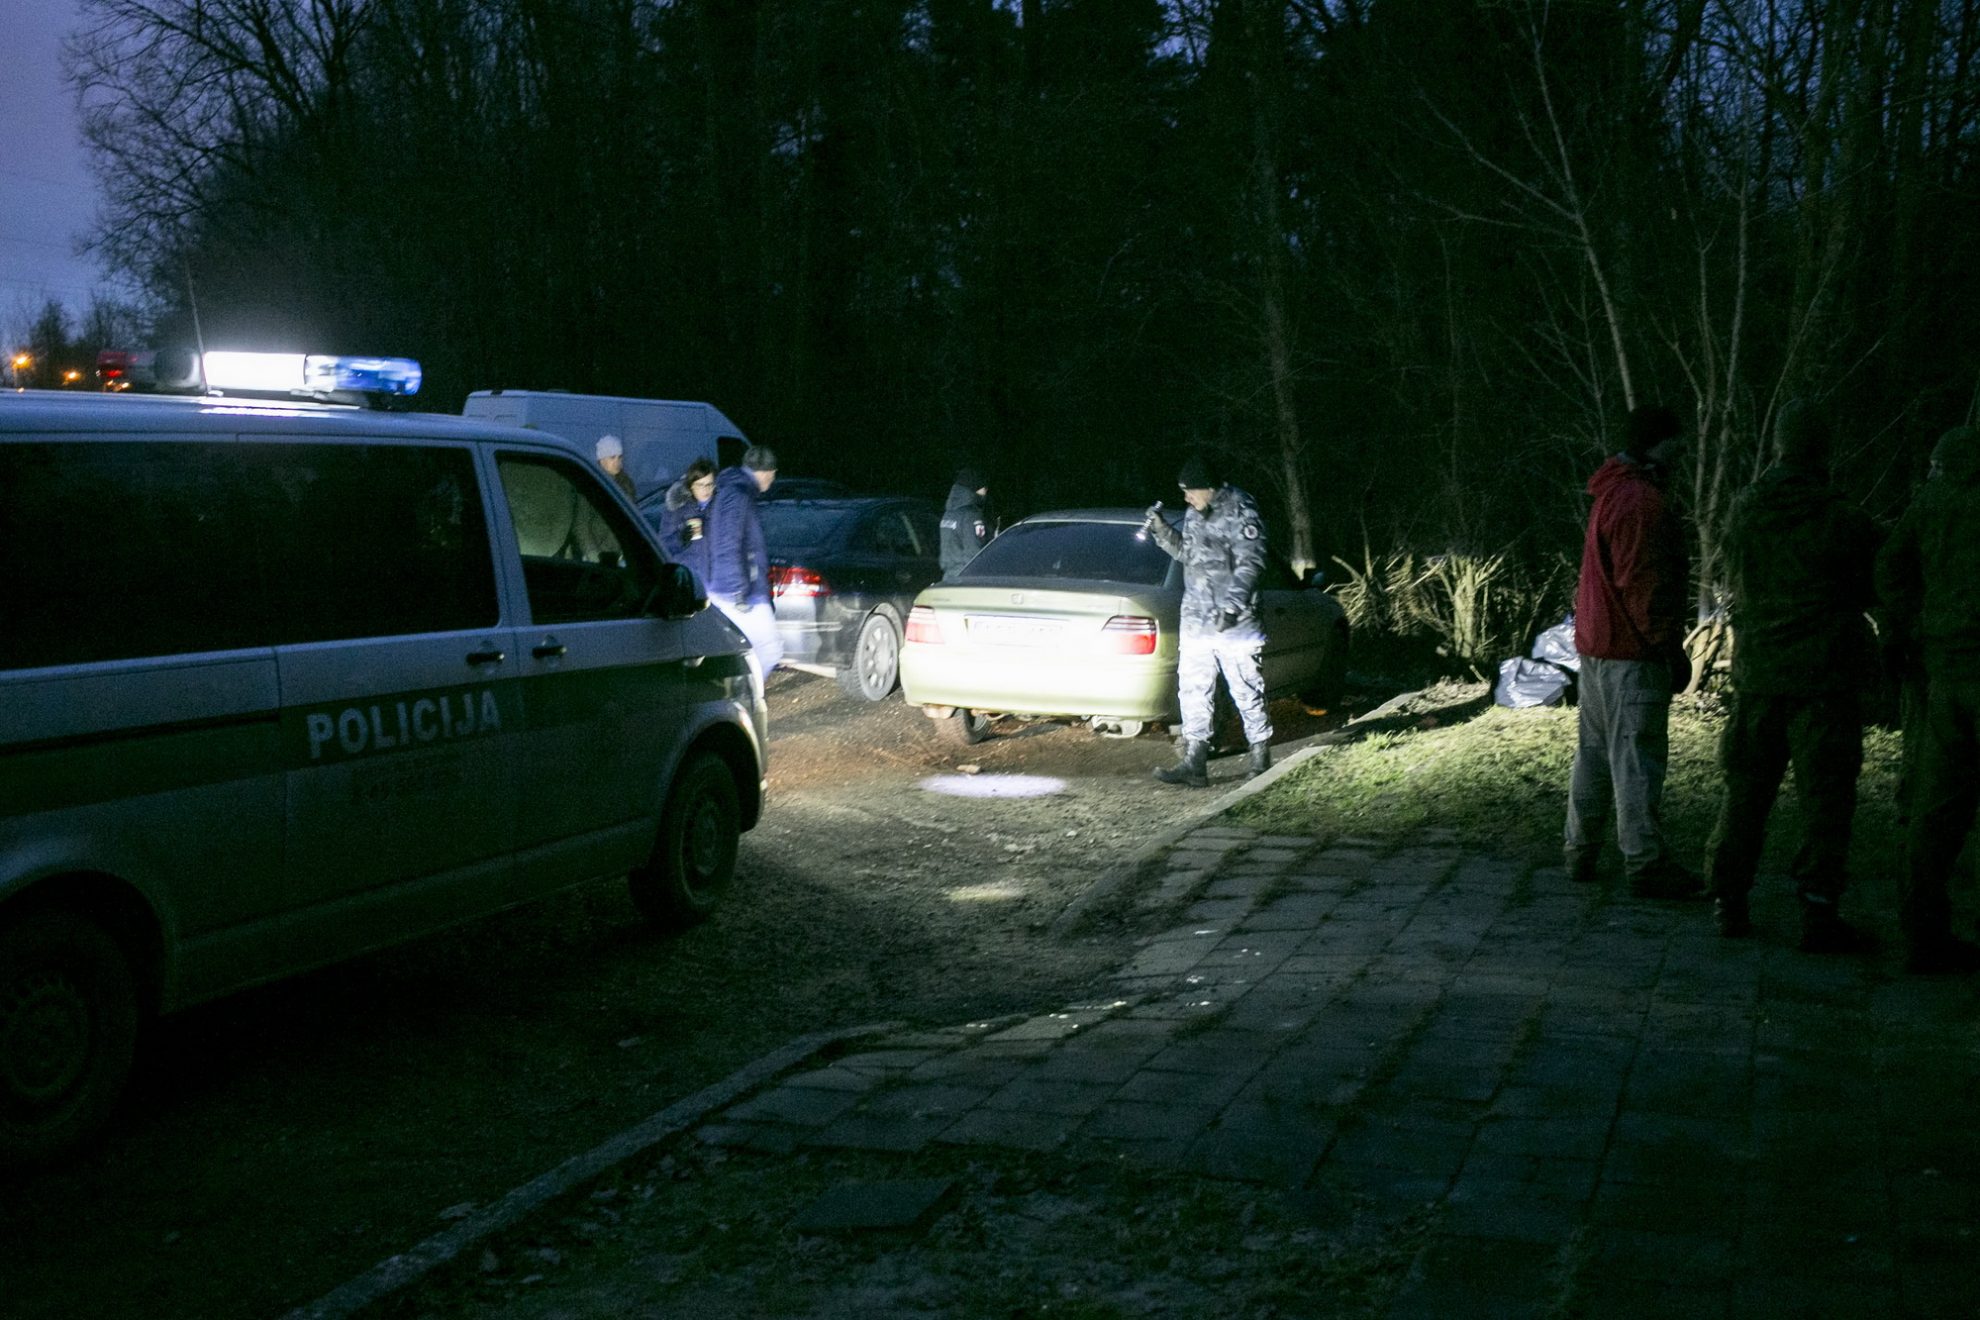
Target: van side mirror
point(1313, 577)
point(677, 595)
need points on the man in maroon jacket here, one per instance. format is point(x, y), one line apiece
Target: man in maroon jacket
point(1629, 612)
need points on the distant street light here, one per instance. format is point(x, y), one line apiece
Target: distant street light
point(71, 376)
point(22, 361)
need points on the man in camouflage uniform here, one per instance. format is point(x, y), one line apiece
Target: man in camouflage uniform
point(1799, 564)
point(1222, 549)
point(1929, 578)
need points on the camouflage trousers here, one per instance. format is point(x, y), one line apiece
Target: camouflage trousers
point(1822, 737)
point(1199, 659)
point(1942, 805)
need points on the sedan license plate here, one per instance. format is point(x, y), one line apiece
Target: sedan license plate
point(1000, 630)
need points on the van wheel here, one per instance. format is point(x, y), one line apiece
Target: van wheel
point(695, 857)
point(965, 728)
point(875, 668)
point(68, 1033)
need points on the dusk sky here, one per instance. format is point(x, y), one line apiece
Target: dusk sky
point(47, 194)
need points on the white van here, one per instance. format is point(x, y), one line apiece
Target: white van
point(661, 436)
point(283, 683)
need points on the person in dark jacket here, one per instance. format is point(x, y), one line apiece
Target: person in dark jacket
point(965, 523)
point(738, 558)
point(684, 532)
point(1222, 549)
point(1629, 618)
point(1929, 579)
point(1800, 563)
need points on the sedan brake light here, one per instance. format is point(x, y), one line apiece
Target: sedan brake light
point(790, 580)
point(922, 626)
point(1129, 634)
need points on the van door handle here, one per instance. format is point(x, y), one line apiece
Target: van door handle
point(550, 650)
point(486, 657)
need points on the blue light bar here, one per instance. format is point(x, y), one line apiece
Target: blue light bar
point(370, 375)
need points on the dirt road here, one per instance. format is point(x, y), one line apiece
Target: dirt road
point(278, 1142)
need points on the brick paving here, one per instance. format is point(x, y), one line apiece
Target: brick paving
point(1600, 1107)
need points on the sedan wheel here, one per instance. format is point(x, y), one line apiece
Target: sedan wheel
point(876, 659)
point(965, 728)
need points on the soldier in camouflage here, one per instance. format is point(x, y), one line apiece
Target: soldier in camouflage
point(1222, 549)
point(1799, 561)
point(1929, 578)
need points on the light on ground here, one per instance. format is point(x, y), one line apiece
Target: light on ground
point(993, 786)
point(985, 893)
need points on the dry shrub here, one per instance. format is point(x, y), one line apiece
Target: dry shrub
point(1474, 609)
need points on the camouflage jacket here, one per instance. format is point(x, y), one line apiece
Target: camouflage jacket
point(1799, 564)
point(1223, 556)
point(1929, 572)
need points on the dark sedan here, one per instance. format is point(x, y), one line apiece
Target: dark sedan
point(845, 572)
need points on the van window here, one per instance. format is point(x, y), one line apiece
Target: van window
point(375, 540)
point(582, 558)
point(114, 551)
point(117, 550)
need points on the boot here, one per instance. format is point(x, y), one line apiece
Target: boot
point(1824, 931)
point(1664, 878)
point(1730, 915)
point(1261, 759)
point(1582, 863)
point(1191, 771)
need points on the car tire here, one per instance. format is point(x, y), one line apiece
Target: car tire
point(1325, 692)
point(694, 858)
point(874, 670)
point(68, 1033)
point(965, 728)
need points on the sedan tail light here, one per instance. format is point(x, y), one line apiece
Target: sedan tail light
point(922, 626)
point(790, 580)
point(1129, 634)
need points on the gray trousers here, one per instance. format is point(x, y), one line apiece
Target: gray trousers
point(1619, 759)
point(1199, 657)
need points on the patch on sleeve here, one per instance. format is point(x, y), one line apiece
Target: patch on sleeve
point(1251, 531)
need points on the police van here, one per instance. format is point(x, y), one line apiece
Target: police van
point(281, 683)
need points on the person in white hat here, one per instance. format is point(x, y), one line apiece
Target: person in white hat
point(612, 457)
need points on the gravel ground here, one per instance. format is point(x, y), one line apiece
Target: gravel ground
point(281, 1141)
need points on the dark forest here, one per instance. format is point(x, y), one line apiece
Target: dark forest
point(1403, 265)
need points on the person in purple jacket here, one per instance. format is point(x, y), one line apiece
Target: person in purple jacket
point(738, 559)
point(684, 517)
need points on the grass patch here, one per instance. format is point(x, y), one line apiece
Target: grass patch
point(1500, 781)
point(704, 1232)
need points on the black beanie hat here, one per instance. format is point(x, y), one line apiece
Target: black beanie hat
point(1801, 437)
point(969, 478)
point(1198, 473)
point(1646, 426)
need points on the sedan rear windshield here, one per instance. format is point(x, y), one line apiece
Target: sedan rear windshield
point(1084, 551)
point(795, 526)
